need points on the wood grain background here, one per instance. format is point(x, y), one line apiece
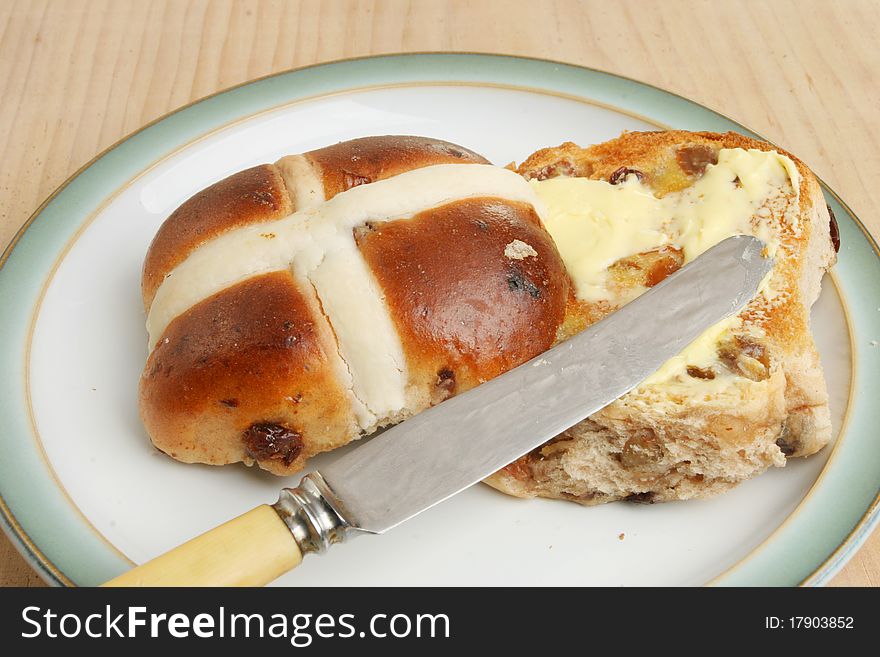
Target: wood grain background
point(78, 75)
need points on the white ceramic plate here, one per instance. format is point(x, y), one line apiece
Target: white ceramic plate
point(85, 494)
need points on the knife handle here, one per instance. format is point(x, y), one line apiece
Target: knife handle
point(250, 550)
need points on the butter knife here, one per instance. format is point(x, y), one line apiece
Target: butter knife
point(449, 447)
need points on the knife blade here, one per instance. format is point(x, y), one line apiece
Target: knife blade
point(443, 450)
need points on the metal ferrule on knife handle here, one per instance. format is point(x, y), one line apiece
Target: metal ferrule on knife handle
point(254, 548)
point(312, 513)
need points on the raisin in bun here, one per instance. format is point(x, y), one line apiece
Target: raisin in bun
point(296, 306)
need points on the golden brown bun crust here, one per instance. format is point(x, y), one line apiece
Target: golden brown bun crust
point(250, 196)
point(248, 367)
point(250, 354)
point(369, 159)
point(465, 311)
point(259, 194)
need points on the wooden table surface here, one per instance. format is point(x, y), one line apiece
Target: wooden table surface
point(78, 75)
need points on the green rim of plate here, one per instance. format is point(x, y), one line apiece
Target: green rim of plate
point(809, 547)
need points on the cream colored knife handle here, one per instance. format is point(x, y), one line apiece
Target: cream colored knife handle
point(254, 548)
point(250, 550)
